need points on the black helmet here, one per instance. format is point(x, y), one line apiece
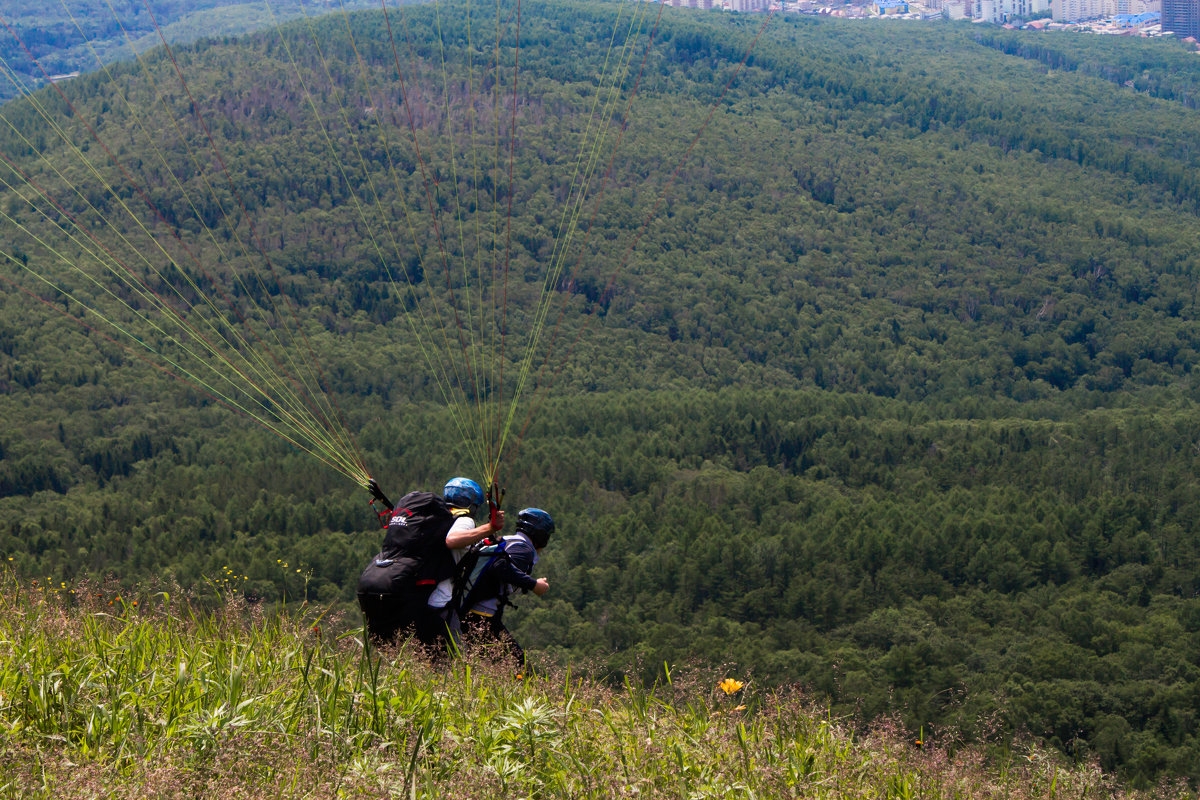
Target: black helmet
point(536, 524)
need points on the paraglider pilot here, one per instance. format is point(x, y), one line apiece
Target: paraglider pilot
point(464, 496)
point(394, 589)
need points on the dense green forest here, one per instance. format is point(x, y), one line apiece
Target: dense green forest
point(49, 39)
point(892, 396)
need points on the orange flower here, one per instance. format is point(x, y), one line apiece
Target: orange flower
point(730, 686)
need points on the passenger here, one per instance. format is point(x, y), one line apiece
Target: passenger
point(502, 571)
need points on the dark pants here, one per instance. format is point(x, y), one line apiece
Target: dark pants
point(389, 614)
point(476, 627)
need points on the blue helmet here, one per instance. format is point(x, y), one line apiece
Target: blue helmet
point(463, 493)
point(536, 524)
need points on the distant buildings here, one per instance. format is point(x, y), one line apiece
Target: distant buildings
point(1076, 10)
point(1134, 21)
point(1182, 17)
point(1123, 16)
point(709, 5)
point(1004, 10)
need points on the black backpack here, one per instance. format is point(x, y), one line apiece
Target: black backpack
point(470, 575)
point(414, 548)
point(417, 525)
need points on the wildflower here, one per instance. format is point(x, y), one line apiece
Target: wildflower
point(740, 708)
point(730, 686)
point(918, 743)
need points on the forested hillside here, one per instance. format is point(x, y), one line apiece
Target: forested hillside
point(891, 396)
point(55, 39)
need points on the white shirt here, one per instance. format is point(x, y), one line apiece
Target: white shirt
point(445, 590)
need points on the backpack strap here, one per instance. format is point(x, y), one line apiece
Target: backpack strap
point(466, 583)
point(463, 572)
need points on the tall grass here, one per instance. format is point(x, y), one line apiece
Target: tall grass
point(102, 696)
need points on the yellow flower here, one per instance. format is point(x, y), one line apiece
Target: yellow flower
point(730, 686)
point(740, 708)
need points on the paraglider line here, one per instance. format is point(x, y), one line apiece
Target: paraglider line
point(649, 219)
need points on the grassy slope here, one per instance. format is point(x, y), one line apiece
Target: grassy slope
point(106, 695)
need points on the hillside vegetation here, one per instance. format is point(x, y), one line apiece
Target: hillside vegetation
point(134, 696)
point(894, 398)
point(55, 39)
